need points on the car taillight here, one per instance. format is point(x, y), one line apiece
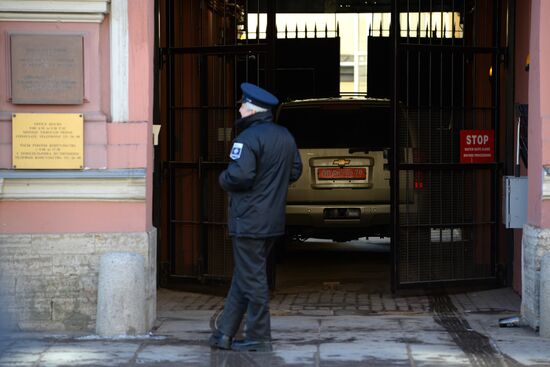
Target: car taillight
point(418, 157)
point(418, 180)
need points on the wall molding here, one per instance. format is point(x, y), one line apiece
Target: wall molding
point(56, 6)
point(119, 189)
point(119, 49)
point(54, 11)
point(86, 11)
point(96, 185)
point(52, 17)
point(90, 116)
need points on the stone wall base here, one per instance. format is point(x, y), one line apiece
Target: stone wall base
point(49, 281)
point(535, 244)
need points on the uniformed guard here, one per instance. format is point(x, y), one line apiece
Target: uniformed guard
point(264, 161)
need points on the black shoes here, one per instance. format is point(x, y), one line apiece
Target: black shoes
point(220, 341)
point(248, 345)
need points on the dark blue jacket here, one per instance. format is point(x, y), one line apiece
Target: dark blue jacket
point(264, 161)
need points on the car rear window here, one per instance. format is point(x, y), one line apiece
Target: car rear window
point(338, 126)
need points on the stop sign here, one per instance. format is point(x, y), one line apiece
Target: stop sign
point(477, 146)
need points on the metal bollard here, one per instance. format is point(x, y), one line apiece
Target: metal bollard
point(121, 295)
point(544, 328)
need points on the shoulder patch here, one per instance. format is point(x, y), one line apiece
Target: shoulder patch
point(236, 151)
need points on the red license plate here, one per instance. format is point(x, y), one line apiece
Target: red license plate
point(342, 173)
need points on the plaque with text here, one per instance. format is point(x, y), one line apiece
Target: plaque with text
point(47, 69)
point(47, 140)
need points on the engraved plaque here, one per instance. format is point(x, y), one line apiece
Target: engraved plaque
point(47, 141)
point(47, 69)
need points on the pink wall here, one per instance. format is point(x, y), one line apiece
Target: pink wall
point(71, 216)
point(96, 83)
point(112, 146)
point(128, 145)
point(93, 73)
point(104, 61)
point(141, 32)
point(106, 145)
point(141, 47)
point(122, 145)
point(539, 112)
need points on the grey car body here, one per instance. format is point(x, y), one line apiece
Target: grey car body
point(344, 190)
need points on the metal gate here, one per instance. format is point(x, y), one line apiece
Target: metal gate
point(447, 87)
point(205, 55)
point(446, 58)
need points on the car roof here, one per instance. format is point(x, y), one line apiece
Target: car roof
point(311, 102)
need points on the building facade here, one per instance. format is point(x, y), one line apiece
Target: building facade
point(536, 233)
point(55, 223)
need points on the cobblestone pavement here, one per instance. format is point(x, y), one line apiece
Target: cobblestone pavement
point(332, 301)
point(332, 326)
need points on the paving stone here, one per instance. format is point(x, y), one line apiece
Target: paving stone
point(173, 327)
point(184, 354)
point(88, 353)
point(295, 323)
point(296, 354)
point(363, 351)
point(19, 358)
point(313, 337)
point(438, 355)
point(360, 322)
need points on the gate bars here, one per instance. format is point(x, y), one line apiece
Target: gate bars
point(445, 81)
point(205, 52)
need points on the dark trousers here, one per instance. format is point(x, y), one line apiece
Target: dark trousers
point(249, 291)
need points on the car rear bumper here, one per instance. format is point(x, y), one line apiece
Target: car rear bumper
point(313, 216)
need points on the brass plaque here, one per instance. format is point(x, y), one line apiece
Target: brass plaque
point(47, 69)
point(47, 140)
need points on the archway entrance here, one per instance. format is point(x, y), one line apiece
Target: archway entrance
point(445, 66)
